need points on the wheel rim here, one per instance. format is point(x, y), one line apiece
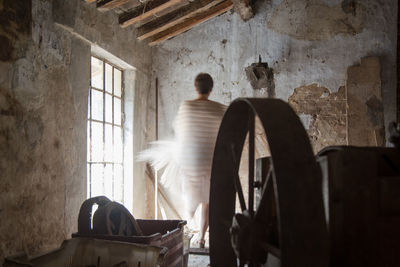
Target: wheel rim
point(303, 235)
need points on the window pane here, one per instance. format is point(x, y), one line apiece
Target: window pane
point(117, 145)
point(108, 152)
point(97, 180)
point(88, 141)
point(108, 78)
point(97, 73)
point(108, 181)
point(117, 111)
point(97, 105)
point(89, 105)
point(118, 183)
point(117, 82)
point(88, 187)
point(109, 111)
point(97, 141)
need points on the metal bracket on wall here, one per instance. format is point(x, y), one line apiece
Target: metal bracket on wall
point(261, 76)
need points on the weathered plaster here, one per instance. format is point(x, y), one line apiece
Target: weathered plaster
point(325, 119)
point(143, 134)
point(15, 18)
point(44, 85)
point(314, 20)
point(103, 29)
point(225, 46)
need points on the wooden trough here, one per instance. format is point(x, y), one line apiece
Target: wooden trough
point(113, 222)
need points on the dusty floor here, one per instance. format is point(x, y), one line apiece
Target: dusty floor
point(198, 261)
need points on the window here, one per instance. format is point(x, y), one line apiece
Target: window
point(105, 154)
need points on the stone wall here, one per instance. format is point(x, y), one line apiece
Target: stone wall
point(309, 44)
point(45, 49)
point(44, 81)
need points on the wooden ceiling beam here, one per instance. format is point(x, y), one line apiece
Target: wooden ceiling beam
point(190, 23)
point(90, 1)
point(176, 17)
point(145, 11)
point(106, 5)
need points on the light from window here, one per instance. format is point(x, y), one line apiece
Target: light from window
point(105, 132)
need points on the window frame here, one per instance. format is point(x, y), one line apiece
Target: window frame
point(89, 157)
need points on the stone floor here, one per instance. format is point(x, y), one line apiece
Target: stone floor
point(198, 261)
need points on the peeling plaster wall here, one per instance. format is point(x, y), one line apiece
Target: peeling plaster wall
point(288, 34)
point(323, 114)
point(317, 20)
point(44, 82)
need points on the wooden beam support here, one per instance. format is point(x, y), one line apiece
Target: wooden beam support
point(90, 1)
point(106, 5)
point(244, 9)
point(176, 17)
point(190, 23)
point(145, 11)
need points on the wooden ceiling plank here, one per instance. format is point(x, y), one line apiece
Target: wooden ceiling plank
point(160, 14)
point(178, 16)
point(187, 25)
point(145, 11)
point(106, 5)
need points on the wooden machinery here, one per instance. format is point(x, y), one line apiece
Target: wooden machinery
point(341, 208)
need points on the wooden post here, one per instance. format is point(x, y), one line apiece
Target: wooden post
point(156, 172)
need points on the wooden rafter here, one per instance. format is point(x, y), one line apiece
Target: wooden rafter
point(159, 20)
point(190, 23)
point(145, 11)
point(176, 17)
point(105, 5)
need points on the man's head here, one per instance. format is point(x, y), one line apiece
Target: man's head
point(203, 83)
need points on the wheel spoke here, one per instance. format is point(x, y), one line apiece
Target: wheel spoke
point(266, 196)
point(251, 163)
point(238, 186)
point(239, 190)
point(266, 214)
point(271, 249)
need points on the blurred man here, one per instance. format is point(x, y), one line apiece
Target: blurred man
point(196, 127)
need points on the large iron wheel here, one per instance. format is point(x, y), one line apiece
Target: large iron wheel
point(289, 221)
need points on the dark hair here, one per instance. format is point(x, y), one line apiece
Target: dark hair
point(203, 83)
